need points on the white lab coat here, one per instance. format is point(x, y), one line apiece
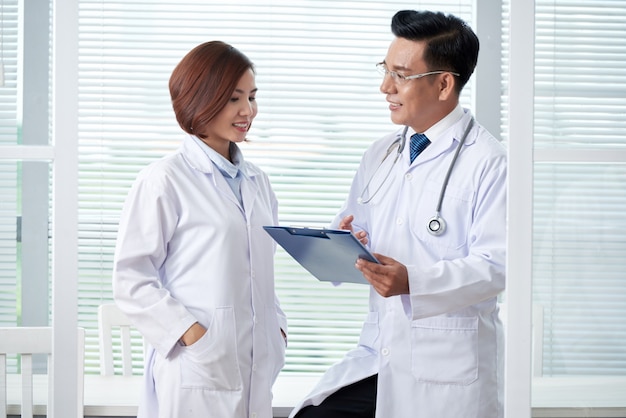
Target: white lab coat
point(437, 351)
point(188, 251)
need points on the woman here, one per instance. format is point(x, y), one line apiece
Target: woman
point(193, 266)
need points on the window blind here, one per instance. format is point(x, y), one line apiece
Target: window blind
point(579, 266)
point(9, 170)
point(319, 108)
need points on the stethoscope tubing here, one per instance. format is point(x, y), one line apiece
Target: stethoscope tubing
point(436, 225)
point(444, 186)
point(399, 142)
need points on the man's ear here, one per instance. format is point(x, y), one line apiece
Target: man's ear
point(446, 86)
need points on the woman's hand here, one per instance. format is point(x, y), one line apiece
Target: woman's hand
point(193, 334)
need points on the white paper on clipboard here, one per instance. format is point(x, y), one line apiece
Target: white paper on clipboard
point(328, 254)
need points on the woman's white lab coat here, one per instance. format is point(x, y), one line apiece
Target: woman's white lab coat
point(188, 251)
point(437, 351)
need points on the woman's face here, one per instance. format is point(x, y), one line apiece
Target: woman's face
point(234, 120)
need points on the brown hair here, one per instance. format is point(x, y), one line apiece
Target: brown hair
point(203, 82)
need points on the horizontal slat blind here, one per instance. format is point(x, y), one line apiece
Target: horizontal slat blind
point(8, 244)
point(580, 249)
point(9, 173)
point(9, 170)
point(319, 108)
point(579, 255)
point(580, 73)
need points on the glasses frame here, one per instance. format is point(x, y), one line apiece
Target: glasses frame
point(400, 78)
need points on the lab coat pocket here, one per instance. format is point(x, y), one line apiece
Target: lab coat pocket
point(211, 362)
point(369, 334)
point(456, 212)
point(445, 350)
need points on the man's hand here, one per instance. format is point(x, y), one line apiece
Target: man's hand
point(346, 223)
point(389, 278)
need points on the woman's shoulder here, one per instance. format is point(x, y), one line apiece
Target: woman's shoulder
point(163, 174)
point(163, 166)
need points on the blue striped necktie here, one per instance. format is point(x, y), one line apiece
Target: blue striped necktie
point(419, 142)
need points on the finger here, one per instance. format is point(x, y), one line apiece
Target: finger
point(362, 236)
point(379, 282)
point(346, 222)
point(385, 283)
point(384, 260)
point(368, 267)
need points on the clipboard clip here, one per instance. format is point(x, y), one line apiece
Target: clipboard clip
point(309, 232)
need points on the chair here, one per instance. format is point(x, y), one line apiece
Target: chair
point(110, 317)
point(27, 341)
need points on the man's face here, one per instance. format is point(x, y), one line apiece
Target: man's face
point(418, 103)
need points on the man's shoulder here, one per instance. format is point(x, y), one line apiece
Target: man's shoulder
point(488, 143)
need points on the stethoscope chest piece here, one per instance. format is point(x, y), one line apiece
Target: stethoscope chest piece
point(436, 225)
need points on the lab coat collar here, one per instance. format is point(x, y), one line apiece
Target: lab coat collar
point(193, 152)
point(453, 134)
point(439, 128)
point(446, 134)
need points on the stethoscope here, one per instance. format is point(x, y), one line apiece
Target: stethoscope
point(436, 225)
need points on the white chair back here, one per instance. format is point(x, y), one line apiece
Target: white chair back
point(27, 341)
point(110, 317)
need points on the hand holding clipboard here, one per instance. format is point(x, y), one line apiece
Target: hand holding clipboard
point(328, 254)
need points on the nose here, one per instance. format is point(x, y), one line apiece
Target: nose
point(387, 86)
point(247, 108)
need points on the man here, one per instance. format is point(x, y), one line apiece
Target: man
point(431, 346)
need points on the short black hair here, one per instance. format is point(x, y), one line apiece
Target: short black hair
point(451, 45)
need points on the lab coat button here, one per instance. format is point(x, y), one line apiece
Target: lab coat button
point(408, 176)
point(385, 351)
point(253, 415)
point(254, 367)
point(399, 221)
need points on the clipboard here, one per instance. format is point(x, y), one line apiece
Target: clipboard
point(328, 254)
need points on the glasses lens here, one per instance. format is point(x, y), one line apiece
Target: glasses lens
point(397, 78)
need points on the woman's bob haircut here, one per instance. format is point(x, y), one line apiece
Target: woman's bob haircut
point(203, 82)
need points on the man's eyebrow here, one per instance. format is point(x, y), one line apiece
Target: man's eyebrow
point(399, 68)
point(394, 68)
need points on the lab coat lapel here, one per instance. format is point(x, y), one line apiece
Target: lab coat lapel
point(448, 140)
point(196, 157)
point(249, 190)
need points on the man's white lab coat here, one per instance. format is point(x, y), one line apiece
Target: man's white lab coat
point(438, 350)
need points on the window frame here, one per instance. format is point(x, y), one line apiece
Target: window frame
point(63, 155)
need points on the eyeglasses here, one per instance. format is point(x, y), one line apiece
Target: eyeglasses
point(401, 79)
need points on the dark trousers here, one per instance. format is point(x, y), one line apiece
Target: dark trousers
point(357, 400)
